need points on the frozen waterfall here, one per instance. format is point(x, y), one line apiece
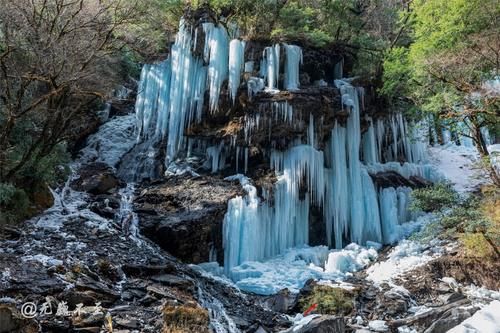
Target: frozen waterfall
point(335, 181)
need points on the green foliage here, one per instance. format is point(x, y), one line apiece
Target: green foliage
point(465, 217)
point(474, 221)
point(329, 300)
point(7, 192)
point(434, 198)
point(396, 74)
point(50, 168)
point(151, 29)
point(453, 49)
point(14, 203)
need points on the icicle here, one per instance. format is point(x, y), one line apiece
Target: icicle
point(217, 157)
point(380, 129)
point(337, 210)
point(263, 67)
point(242, 228)
point(370, 151)
point(237, 158)
point(310, 131)
point(163, 99)
point(186, 86)
point(293, 59)
point(217, 55)
point(236, 61)
point(170, 94)
point(272, 63)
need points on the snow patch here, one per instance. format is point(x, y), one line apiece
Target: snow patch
point(407, 255)
point(486, 320)
point(458, 165)
point(378, 326)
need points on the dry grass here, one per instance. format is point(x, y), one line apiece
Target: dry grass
point(187, 318)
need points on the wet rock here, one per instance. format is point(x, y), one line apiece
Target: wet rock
point(74, 297)
point(96, 329)
point(41, 196)
point(95, 178)
point(144, 162)
point(324, 324)
point(128, 323)
point(9, 233)
point(89, 319)
point(394, 302)
point(55, 326)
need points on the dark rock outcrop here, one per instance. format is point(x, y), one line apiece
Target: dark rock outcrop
point(184, 215)
point(394, 179)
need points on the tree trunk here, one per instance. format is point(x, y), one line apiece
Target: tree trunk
point(485, 155)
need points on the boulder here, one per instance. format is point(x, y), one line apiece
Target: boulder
point(284, 301)
point(450, 319)
point(96, 178)
point(324, 324)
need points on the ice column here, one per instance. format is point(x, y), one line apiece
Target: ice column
point(187, 85)
point(272, 65)
point(236, 63)
point(337, 211)
point(293, 60)
point(370, 149)
point(170, 94)
point(216, 53)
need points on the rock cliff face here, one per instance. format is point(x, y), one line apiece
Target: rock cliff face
point(184, 215)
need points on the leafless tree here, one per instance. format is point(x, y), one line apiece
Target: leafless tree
point(58, 59)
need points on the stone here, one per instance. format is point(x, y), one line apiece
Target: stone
point(324, 324)
point(450, 319)
point(95, 178)
point(10, 319)
point(396, 306)
point(452, 297)
point(172, 280)
point(283, 301)
point(127, 323)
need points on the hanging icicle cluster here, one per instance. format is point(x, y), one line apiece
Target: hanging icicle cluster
point(336, 180)
point(171, 93)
